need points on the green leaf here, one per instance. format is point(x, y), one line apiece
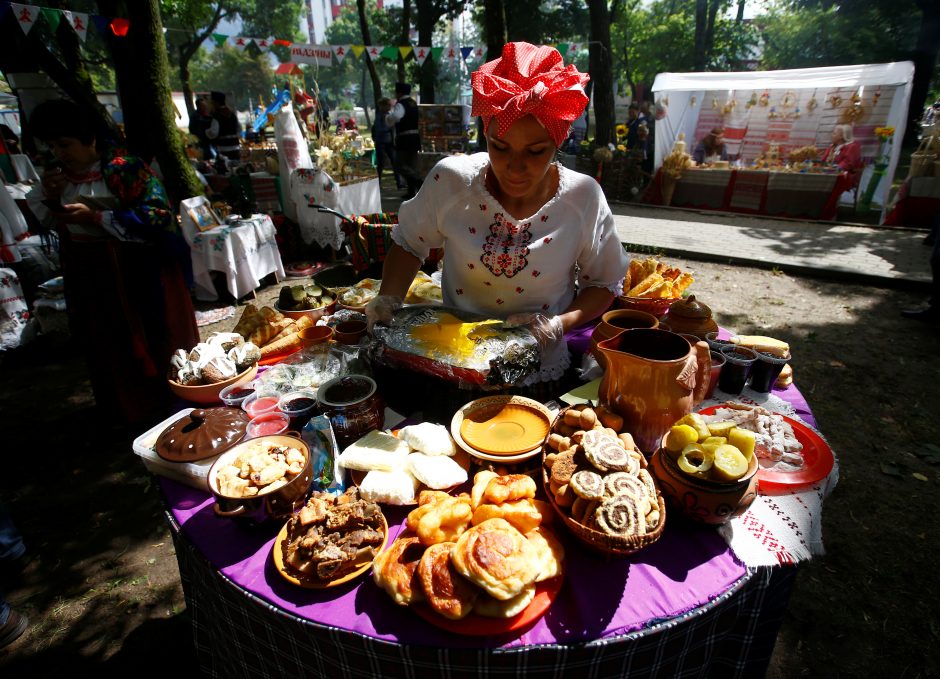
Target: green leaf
point(891, 469)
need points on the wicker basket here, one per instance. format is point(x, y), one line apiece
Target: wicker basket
point(602, 543)
point(658, 306)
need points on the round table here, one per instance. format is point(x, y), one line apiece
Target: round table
point(684, 606)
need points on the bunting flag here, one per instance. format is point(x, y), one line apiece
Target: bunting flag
point(52, 17)
point(573, 48)
point(357, 50)
point(479, 52)
point(340, 51)
point(220, 39)
point(436, 53)
point(405, 51)
point(451, 53)
point(239, 42)
point(390, 52)
point(421, 53)
point(79, 23)
point(562, 48)
point(26, 16)
point(120, 26)
point(101, 24)
point(465, 52)
point(375, 51)
point(263, 44)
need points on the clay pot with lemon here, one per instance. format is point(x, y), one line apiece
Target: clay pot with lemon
point(708, 475)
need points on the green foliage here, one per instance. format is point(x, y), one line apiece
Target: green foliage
point(230, 70)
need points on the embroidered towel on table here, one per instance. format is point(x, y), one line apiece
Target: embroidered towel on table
point(292, 153)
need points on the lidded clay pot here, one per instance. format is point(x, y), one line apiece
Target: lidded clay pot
point(202, 434)
point(691, 317)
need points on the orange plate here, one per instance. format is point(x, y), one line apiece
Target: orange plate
point(278, 554)
point(481, 626)
point(507, 430)
point(818, 459)
point(277, 358)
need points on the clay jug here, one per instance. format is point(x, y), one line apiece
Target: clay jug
point(653, 378)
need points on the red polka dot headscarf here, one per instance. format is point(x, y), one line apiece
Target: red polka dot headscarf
point(529, 80)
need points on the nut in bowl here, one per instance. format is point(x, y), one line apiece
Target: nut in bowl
point(210, 393)
point(705, 481)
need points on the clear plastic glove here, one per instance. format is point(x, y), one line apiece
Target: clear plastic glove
point(381, 309)
point(548, 330)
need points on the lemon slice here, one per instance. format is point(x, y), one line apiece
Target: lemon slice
point(695, 459)
point(730, 463)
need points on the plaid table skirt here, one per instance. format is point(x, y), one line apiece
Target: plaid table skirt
point(237, 634)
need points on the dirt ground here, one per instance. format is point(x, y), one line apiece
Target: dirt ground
point(103, 590)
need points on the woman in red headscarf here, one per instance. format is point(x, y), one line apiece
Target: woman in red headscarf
point(524, 238)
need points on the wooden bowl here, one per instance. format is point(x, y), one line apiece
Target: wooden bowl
point(209, 393)
point(703, 501)
point(656, 306)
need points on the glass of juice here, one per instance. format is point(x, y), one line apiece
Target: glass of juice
point(268, 424)
point(737, 368)
point(235, 394)
point(256, 405)
point(766, 370)
point(298, 406)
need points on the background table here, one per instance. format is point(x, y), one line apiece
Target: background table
point(311, 186)
point(684, 605)
point(245, 253)
point(787, 194)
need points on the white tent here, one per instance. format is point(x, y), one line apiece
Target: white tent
point(792, 108)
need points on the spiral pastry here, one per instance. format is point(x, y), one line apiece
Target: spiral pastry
point(622, 483)
point(587, 484)
point(606, 453)
point(620, 516)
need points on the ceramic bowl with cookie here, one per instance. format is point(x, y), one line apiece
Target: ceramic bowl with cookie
point(597, 480)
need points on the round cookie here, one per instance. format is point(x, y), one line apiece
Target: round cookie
point(587, 484)
point(564, 467)
point(620, 516)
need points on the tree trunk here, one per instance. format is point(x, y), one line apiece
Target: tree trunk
point(740, 17)
point(405, 36)
point(495, 31)
point(426, 19)
point(367, 41)
point(188, 51)
point(186, 80)
point(710, 28)
point(925, 60)
point(701, 18)
point(601, 72)
point(149, 116)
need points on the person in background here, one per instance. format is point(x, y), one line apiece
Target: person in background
point(122, 257)
point(646, 114)
point(199, 126)
point(225, 130)
point(304, 104)
point(525, 239)
point(13, 560)
point(711, 148)
point(383, 137)
point(404, 118)
point(844, 151)
point(633, 125)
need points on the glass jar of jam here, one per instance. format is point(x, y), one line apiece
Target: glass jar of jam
point(298, 406)
point(353, 405)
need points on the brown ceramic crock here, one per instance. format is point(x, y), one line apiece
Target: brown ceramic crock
point(353, 405)
point(201, 434)
point(276, 504)
point(653, 378)
point(691, 317)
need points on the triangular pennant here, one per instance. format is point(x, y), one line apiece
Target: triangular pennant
point(452, 53)
point(390, 52)
point(375, 51)
point(357, 49)
point(405, 51)
point(465, 52)
point(101, 24)
point(478, 52)
point(52, 17)
point(78, 22)
point(422, 53)
point(220, 39)
point(25, 15)
point(239, 42)
point(562, 48)
point(573, 48)
point(263, 44)
point(119, 26)
point(340, 51)
point(436, 53)
point(283, 43)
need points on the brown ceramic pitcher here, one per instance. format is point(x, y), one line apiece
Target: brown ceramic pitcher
point(653, 378)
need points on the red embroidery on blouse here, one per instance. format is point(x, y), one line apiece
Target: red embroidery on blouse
point(536, 273)
point(506, 250)
point(459, 291)
point(544, 307)
point(547, 240)
point(473, 229)
point(520, 290)
point(499, 301)
point(544, 218)
point(483, 207)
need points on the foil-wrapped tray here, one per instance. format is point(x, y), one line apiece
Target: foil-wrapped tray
point(457, 346)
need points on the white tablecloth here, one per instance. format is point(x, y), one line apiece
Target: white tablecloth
point(245, 253)
point(309, 186)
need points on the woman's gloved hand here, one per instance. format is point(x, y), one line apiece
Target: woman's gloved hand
point(548, 330)
point(381, 309)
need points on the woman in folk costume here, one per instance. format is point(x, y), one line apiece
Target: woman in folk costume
point(524, 238)
point(122, 256)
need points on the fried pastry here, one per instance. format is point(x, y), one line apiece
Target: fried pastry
point(396, 570)
point(480, 480)
point(494, 608)
point(522, 514)
point(497, 557)
point(444, 521)
point(445, 590)
point(508, 488)
point(549, 553)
